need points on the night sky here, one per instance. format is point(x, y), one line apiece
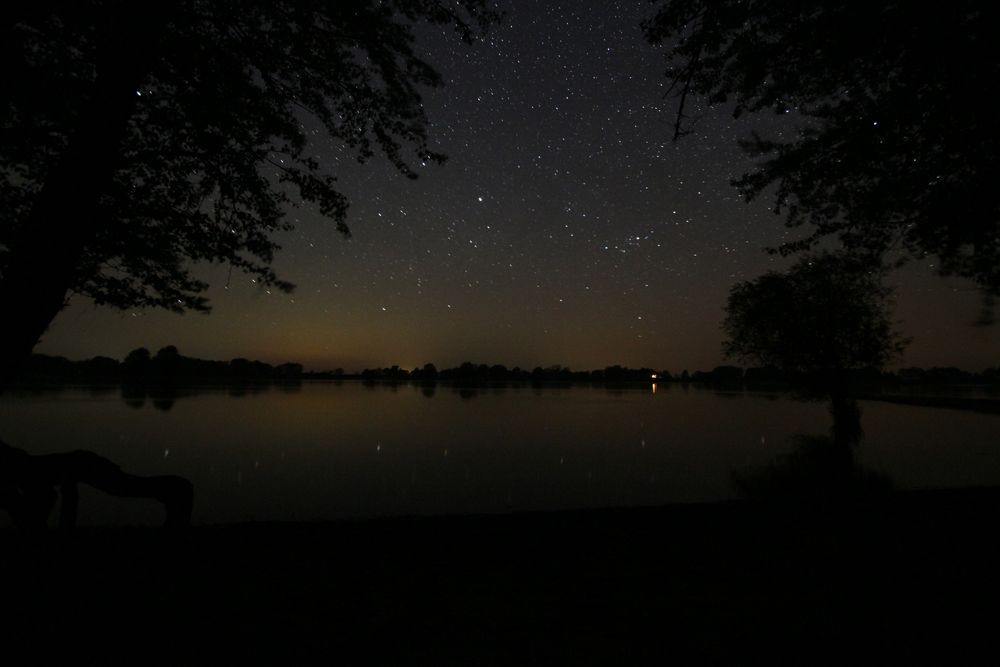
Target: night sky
point(565, 228)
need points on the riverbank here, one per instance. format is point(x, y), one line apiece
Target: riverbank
point(975, 404)
point(907, 579)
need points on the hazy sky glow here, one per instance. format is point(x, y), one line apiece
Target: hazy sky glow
point(565, 228)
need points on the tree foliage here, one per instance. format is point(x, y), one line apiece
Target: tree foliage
point(220, 101)
point(825, 316)
point(896, 144)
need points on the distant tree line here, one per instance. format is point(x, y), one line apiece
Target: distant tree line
point(140, 366)
point(735, 376)
point(470, 373)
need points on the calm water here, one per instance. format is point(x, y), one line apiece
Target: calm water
point(324, 451)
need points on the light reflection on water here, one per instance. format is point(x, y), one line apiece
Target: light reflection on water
point(325, 450)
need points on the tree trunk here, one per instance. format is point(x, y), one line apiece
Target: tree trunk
point(47, 249)
point(27, 486)
point(846, 431)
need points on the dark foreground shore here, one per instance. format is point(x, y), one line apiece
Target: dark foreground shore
point(908, 580)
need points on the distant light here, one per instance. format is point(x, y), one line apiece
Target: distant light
point(653, 376)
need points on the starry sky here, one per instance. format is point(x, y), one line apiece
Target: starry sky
point(565, 228)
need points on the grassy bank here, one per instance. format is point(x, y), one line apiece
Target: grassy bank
point(909, 580)
point(986, 405)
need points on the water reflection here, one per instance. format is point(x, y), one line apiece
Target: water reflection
point(164, 396)
point(136, 395)
point(817, 471)
point(337, 449)
point(133, 396)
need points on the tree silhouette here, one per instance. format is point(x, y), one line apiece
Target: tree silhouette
point(895, 147)
point(822, 320)
point(136, 138)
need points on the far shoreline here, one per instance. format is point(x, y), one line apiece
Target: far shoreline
point(940, 396)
